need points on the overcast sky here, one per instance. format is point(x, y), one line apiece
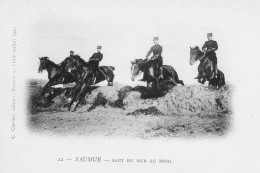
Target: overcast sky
point(125, 30)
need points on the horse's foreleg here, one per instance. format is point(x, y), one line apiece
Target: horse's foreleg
point(77, 98)
point(45, 88)
point(73, 95)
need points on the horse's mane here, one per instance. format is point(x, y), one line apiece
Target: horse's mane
point(53, 63)
point(141, 63)
point(80, 60)
point(198, 49)
point(136, 61)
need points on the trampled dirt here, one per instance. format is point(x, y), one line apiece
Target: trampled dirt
point(124, 111)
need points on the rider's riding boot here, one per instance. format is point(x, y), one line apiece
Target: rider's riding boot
point(216, 71)
point(161, 75)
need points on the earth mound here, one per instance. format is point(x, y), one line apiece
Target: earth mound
point(120, 110)
point(179, 100)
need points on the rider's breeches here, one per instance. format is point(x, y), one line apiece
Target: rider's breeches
point(214, 60)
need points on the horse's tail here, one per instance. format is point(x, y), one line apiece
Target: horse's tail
point(224, 80)
point(112, 67)
point(222, 76)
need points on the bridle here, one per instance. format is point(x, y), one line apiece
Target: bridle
point(202, 56)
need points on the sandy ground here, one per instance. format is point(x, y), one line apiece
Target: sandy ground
point(148, 121)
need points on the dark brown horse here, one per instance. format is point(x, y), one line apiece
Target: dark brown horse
point(152, 72)
point(56, 74)
point(85, 77)
point(205, 68)
point(219, 81)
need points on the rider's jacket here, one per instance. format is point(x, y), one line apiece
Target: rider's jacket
point(96, 57)
point(94, 60)
point(156, 50)
point(209, 45)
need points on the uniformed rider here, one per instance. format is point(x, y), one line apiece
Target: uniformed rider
point(156, 49)
point(209, 49)
point(94, 61)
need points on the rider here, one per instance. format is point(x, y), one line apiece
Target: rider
point(72, 53)
point(65, 60)
point(156, 49)
point(209, 49)
point(94, 61)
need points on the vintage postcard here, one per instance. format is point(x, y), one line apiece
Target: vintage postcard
point(129, 86)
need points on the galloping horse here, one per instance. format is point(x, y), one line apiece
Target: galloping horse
point(151, 71)
point(205, 68)
point(85, 77)
point(56, 74)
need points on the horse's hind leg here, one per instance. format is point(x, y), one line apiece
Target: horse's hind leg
point(181, 82)
point(175, 83)
point(203, 80)
point(71, 102)
point(80, 98)
point(110, 80)
point(157, 84)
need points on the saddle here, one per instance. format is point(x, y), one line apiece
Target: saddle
point(98, 74)
point(146, 67)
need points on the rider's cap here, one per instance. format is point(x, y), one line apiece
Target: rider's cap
point(99, 47)
point(155, 38)
point(209, 34)
point(71, 51)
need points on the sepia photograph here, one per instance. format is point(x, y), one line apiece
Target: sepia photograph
point(130, 86)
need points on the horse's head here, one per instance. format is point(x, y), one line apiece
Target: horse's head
point(195, 53)
point(43, 64)
point(135, 68)
point(71, 65)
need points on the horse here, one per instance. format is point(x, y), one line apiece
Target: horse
point(205, 68)
point(56, 74)
point(152, 72)
point(85, 77)
point(219, 81)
